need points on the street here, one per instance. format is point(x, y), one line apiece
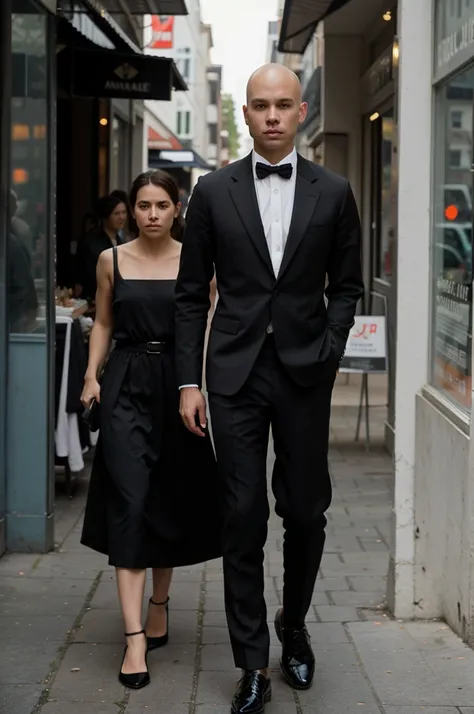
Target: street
point(62, 641)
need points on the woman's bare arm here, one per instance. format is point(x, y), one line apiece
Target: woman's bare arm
point(101, 335)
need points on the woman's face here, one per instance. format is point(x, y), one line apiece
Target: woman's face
point(155, 211)
point(117, 218)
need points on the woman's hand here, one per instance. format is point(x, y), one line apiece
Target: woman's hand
point(90, 391)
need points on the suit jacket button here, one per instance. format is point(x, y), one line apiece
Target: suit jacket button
point(269, 329)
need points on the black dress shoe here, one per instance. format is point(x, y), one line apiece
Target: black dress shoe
point(253, 692)
point(136, 680)
point(297, 659)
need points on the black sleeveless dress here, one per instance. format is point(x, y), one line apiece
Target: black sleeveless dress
point(153, 498)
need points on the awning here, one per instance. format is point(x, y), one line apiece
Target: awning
point(177, 159)
point(105, 73)
point(299, 21)
point(141, 7)
point(87, 70)
point(164, 139)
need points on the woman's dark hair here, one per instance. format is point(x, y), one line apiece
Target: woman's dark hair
point(107, 205)
point(163, 180)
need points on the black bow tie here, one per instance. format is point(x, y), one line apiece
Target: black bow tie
point(264, 170)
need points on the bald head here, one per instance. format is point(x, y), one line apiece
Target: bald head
point(274, 110)
point(272, 76)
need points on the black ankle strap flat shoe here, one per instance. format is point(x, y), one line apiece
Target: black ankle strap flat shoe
point(136, 680)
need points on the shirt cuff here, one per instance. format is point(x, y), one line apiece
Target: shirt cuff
point(182, 386)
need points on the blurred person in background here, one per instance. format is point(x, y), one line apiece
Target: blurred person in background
point(112, 215)
point(127, 232)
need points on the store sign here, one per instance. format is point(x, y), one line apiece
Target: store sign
point(380, 74)
point(454, 43)
point(162, 32)
point(366, 349)
point(126, 76)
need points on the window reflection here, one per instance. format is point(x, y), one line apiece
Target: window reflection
point(29, 175)
point(452, 238)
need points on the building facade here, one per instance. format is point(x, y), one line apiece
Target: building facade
point(73, 81)
point(188, 41)
point(395, 116)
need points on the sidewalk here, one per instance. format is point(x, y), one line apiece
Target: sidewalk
point(61, 633)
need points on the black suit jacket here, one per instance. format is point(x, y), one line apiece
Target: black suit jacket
point(224, 233)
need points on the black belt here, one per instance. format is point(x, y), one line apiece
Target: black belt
point(150, 348)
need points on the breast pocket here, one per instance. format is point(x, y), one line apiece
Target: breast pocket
point(226, 324)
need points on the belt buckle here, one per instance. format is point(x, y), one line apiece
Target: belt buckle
point(153, 348)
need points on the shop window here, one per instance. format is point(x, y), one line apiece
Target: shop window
point(178, 123)
point(384, 192)
point(452, 241)
point(187, 124)
point(30, 232)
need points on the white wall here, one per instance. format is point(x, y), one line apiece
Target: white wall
point(413, 289)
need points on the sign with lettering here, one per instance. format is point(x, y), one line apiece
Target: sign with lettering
point(454, 43)
point(366, 349)
point(126, 76)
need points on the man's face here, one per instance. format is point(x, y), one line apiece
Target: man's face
point(273, 111)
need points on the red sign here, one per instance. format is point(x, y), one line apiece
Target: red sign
point(162, 32)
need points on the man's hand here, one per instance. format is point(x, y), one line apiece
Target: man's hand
point(193, 404)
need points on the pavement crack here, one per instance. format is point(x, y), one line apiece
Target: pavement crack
point(377, 699)
point(199, 644)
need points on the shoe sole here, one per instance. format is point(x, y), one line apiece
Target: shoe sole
point(266, 699)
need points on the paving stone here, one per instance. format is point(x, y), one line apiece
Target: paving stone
point(368, 584)
point(29, 663)
point(393, 664)
point(79, 708)
point(56, 587)
point(19, 698)
point(357, 598)
point(337, 613)
point(24, 604)
point(331, 584)
point(422, 710)
point(88, 673)
point(327, 633)
point(44, 628)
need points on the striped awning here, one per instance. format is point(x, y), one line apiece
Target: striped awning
point(299, 21)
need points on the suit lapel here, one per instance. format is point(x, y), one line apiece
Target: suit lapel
point(244, 196)
point(306, 197)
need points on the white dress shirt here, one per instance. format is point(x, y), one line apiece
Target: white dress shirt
point(275, 197)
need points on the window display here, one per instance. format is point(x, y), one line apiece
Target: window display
point(452, 238)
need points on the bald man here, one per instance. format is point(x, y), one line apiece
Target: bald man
point(272, 226)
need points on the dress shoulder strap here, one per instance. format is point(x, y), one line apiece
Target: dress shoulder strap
point(116, 270)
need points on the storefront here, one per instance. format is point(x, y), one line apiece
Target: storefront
point(379, 194)
point(64, 80)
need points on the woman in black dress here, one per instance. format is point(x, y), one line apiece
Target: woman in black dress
point(153, 498)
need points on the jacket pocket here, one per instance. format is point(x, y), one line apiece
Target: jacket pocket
point(225, 324)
